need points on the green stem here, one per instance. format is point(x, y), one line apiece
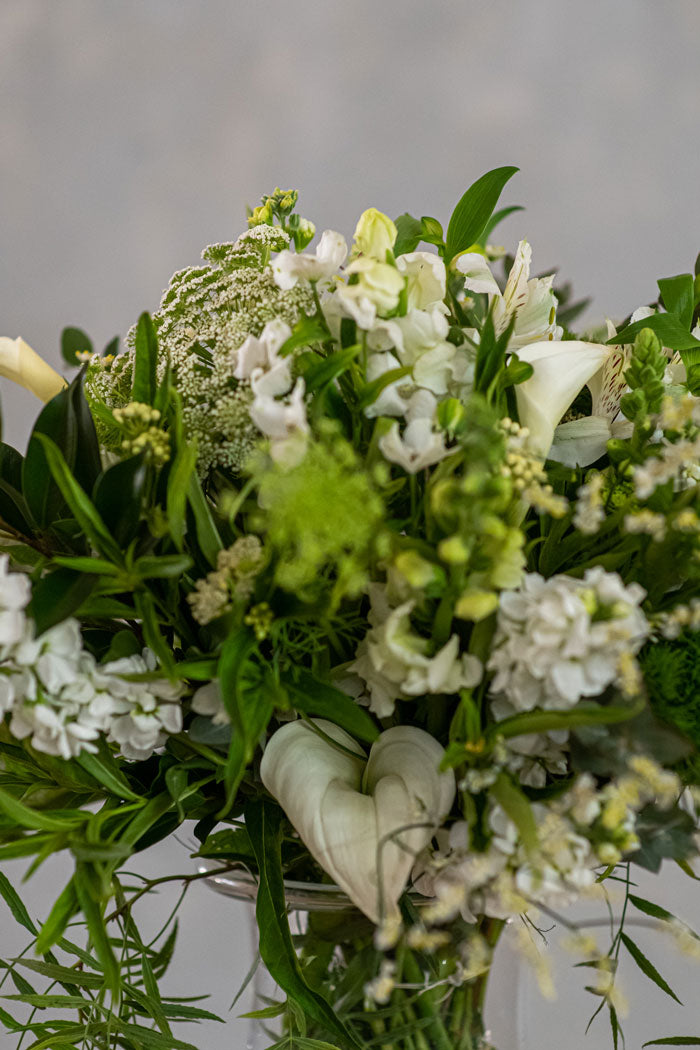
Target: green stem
point(427, 1007)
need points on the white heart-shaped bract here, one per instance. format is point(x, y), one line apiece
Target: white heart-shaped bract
point(363, 820)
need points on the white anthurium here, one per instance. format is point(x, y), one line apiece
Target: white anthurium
point(561, 370)
point(23, 366)
point(580, 442)
point(290, 267)
point(364, 819)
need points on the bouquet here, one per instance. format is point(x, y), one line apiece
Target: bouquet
point(362, 563)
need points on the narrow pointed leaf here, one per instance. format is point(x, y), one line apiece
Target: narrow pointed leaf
point(474, 210)
point(647, 967)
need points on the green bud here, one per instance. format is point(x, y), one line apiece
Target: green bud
point(419, 572)
point(476, 604)
point(454, 550)
point(261, 216)
point(451, 415)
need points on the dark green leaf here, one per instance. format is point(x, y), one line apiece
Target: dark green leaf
point(649, 908)
point(26, 817)
point(369, 393)
point(11, 466)
point(63, 974)
point(647, 967)
point(585, 713)
point(313, 697)
point(152, 633)
point(166, 567)
point(107, 773)
point(264, 824)
point(87, 464)
point(675, 1040)
point(178, 486)
point(323, 372)
point(306, 331)
point(58, 595)
point(77, 499)
point(15, 904)
point(145, 360)
point(474, 210)
point(74, 341)
point(118, 497)
point(677, 295)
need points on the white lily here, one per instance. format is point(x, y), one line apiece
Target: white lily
point(290, 267)
point(364, 820)
point(561, 370)
point(23, 365)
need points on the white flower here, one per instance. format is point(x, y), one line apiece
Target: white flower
point(420, 445)
point(426, 278)
point(290, 267)
point(531, 301)
point(15, 594)
point(393, 660)
point(280, 419)
point(561, 639)
point(23, 365)
point(207, 700)
point(561, 370)
point(363, 820)
point(258, 361)
point(375, 234)
point(376, 291)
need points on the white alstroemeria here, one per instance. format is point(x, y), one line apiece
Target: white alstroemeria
point(289, 267)
point(477, 274)
point(364, 820)
point(280, 419)
point(530, 300)
point(426, 278)
point(561, 370)
point(258, 360)
point(23, 365)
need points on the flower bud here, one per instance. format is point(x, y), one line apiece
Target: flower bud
point(375, 234)
point(476, 604)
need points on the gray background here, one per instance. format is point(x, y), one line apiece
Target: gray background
point(133, 132)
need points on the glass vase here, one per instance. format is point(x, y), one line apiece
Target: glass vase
point(334, 942)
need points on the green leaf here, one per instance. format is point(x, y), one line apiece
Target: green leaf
point(517, 807)
point(63, 974)
point(53, 1002)
point(207, 533)
point(14, 509)
point(313, 697)
point(369, 393)
point(647, 967)
point(60, 915)
point(264, 824)
point(119, 494)
point(675, 1040)
point(152, 633)
point(496, 218)
point(182, 1012)
point(305, 332)
point(178, 486)
point(74, 341)
point(474, 210)
point(85, 512)
point(153, 992)
point(107, 773)
point(165, 567)
point(86, 881)
point(677, 295)
point(584, 714)
point(57, 596)
point(668, 328)
point(145, 360)
point(35, 819)
point(409, 234)
point(323, 372)
point(15, 904)
point(649, 908)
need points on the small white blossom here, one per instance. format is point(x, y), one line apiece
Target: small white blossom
point(290, 267)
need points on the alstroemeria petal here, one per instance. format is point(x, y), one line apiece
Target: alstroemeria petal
point(561, 370)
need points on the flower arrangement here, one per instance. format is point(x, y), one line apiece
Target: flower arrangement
point(366, 564)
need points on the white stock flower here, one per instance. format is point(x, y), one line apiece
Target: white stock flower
point(562, 639)
point(15, 593)
point(289, 267)
point(23, 366)
point(364, 820)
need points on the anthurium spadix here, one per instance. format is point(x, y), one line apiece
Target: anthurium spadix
point(561, 370)
point(364, 819)
point(23, 365)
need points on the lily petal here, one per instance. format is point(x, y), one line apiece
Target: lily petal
point(367, 841)
point(23, 365)
point(561, 370)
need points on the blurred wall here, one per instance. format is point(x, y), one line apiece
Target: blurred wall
point(133, 132)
